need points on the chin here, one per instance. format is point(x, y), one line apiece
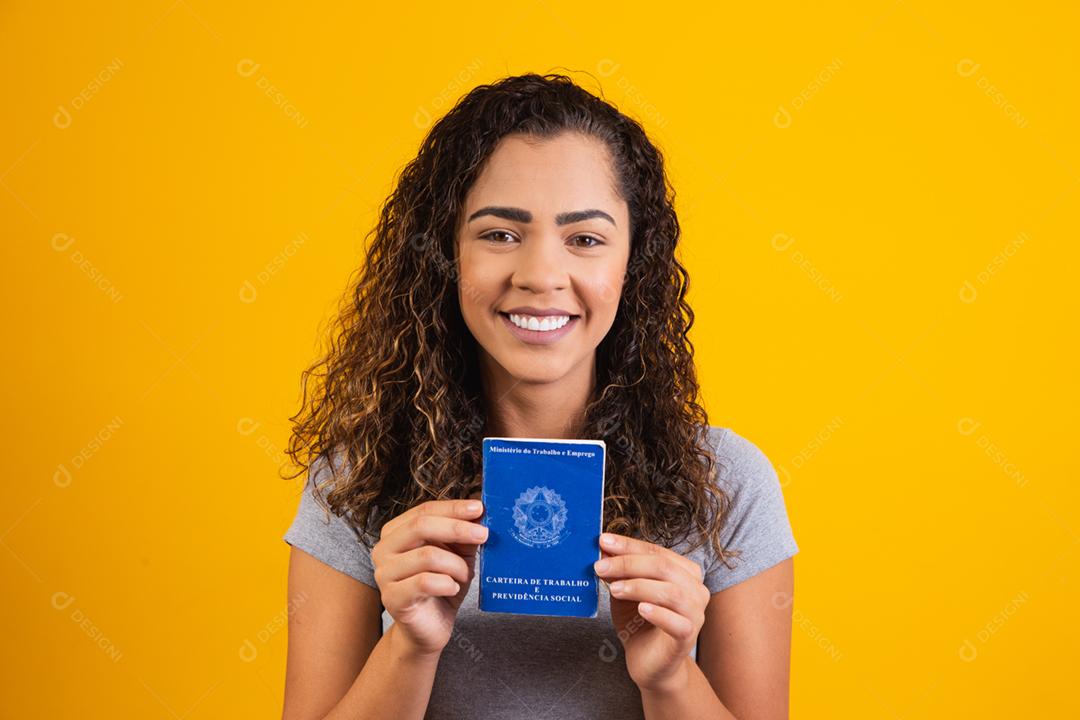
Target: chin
point(536, 372)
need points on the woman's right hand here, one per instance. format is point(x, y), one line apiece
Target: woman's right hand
point(424, 563)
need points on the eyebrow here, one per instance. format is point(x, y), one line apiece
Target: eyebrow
point(524, 216)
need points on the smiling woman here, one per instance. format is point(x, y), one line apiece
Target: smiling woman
point(521, 247)
point(523, 282)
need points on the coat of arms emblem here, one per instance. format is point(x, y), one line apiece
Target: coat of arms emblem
point(539, 517)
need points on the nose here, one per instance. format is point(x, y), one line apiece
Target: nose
point(541, 265)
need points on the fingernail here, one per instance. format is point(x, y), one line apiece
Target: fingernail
point(602, 565)
point(479, 532)
point(617, 587)
point(609, 541)
point(473, 506)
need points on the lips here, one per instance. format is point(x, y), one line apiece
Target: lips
point(537, 336)
point(546, 323)
point(536, 312)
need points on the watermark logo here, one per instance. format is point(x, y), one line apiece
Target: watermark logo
point(62, 243)
point(607, 67)
point(460, 82)
point(969, 427)
point(248, 68)
point(782, 242)
point(782, 600)
point(64, 115)
point(63, 475)
point(967, 68)
point(969, 649)
point(249, 291)
point(249, 649)
point(969, 291)
point(783, 117)
point(63, 601)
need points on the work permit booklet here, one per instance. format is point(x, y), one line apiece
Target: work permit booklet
point(543, 506)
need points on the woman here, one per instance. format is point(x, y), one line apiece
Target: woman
point(522, 282)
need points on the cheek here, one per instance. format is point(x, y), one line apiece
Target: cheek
point(477, 287)
point(605, 291)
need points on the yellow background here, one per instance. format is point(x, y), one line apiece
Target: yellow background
point(879, 214)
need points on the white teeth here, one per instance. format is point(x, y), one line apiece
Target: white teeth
point(545, 324)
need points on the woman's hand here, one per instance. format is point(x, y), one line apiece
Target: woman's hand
point(658, 604)
point(424, 563)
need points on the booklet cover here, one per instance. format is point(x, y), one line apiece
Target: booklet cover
point(543, 506)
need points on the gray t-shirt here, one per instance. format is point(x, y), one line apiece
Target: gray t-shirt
point(498, 665)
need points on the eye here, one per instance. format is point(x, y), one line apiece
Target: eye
point(490, 236)
point(595, 241)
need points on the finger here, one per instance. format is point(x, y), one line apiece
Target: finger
point(406, 593)
point(658, 592)
point(641, 566)
point(624, 545)
point(427, 529)
point(677, 626)
point(426, 558)
point(445, 508)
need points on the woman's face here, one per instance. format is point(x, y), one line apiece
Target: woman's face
point(544, 240)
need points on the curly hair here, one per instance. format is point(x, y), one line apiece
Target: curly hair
point(397, 396)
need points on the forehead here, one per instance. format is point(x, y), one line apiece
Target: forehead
point(555, 174)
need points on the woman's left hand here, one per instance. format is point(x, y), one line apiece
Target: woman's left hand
point(658, 605)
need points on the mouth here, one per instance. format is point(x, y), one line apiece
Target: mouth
point(539, 330)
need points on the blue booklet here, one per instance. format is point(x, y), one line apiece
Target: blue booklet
point(543, 506)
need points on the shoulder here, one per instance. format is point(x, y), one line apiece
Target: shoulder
point(740, 464)
point(756, 527)
point(326, 536)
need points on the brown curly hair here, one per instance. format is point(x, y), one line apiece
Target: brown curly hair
point(397, 396)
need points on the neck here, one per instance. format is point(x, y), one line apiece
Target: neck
point(522, 409)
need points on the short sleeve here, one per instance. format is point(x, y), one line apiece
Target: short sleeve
point(757, 525)
point(328, 537)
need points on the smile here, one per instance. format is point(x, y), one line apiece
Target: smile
point(544, 324)
point(539, 330)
